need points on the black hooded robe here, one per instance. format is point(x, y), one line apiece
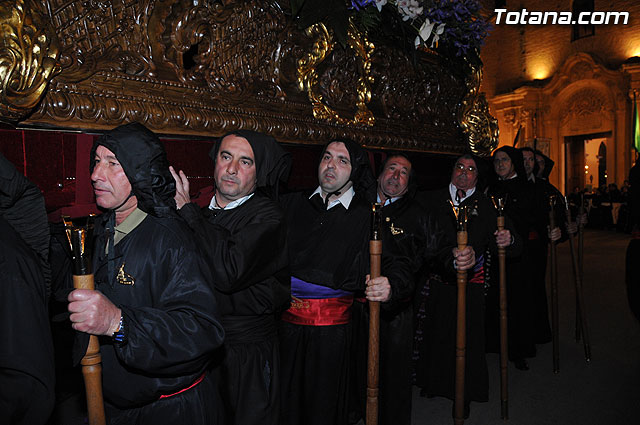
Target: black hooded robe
point(27, 378)
point(246, 248)
point(157, 276)
point(435, 366)
point(419, 237)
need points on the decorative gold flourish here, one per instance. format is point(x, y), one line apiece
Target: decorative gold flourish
point(475, 120)
point(125, 278)
point(394, 230)
point(308, 75)
point(28, 59)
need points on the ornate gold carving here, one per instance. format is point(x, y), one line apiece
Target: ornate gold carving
point(28, 53)
point(475, 120)
point(308, 74)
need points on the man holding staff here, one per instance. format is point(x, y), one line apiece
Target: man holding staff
point(328, 233)
point(242, 233)
point(436, 367)
point(153, 304)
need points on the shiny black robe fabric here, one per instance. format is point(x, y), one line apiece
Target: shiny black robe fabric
point(520, 203)
point(246, 248)
point(27, 377)
point(435, 366)
point(328, 248)
point(171, 323)
point(420, 237)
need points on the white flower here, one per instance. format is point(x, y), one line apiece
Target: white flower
point(409, 9)
point(437, 34)
point(380, 3)
point(424, 32)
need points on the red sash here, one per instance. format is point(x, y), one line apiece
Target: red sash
point(319, 312)
point(197, 381)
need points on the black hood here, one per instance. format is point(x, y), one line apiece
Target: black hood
point(361, 173)
point(516, 158)
point(548, 165)
point(272, 162)
point(144, 161)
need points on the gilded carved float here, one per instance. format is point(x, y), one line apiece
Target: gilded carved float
point(202, 67)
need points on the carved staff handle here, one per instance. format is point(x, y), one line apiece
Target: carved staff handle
point(80, 240)
point(373, 361)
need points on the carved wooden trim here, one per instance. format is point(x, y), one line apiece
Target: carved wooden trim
point(204, 68)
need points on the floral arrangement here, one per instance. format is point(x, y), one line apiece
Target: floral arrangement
point(452, 25)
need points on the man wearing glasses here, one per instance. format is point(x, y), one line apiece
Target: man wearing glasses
point(435, 369)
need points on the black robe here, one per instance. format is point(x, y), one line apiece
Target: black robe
point(520, 203)
point(327, 248)
point(26, 353)
point(171, 323)
point(246, 247)
point(420, 238)
point(435, 365)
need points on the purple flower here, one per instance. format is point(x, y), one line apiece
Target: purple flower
point(361, 4)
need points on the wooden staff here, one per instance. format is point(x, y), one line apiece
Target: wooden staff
point(580, 262)
point(554, 289)
point(579, 295)
point(80, 240)
point(461, 321)
point(499, 204)
point(373, 363)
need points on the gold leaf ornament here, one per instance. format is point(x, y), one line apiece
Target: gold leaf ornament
point(29, 51)
point(124, 278)
point(308, 74)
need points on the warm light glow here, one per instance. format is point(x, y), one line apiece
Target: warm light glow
point(586, 167)
point(539, 72)
point(538, 67)
point(586, 172)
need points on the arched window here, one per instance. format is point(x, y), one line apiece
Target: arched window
point(578, 30)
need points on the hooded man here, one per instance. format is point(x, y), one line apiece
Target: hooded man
point(418, 236)
point(435, 369)
point(26, 353)
point(152, 294)
point(328, 233)
point(243, 235)
point(511, 185)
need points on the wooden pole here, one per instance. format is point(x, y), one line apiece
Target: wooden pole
point(580, 296)
point(580, 262)
point(504, 356)
point(80, 239)
point(554, 289)
point(373, 362)
point(92, 365)
point(499, 204)
point(461, 323)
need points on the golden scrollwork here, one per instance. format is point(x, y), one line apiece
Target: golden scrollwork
point(28, 59)
point(475, 119)
point(308, 74)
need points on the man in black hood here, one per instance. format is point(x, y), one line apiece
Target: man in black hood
point(153, 296)
point(26, 352)
point(243, 236)
point(328, 230)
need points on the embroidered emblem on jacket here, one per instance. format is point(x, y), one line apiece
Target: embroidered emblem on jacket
point(394, 230)
point(124, 278)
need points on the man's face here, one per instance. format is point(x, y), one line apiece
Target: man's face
point(394, 179)
point(503, 165)
point(110, 184)
point(335, 167)
point(465, 174)
point(529, 162)
point(540, 162)
point(235, 170)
